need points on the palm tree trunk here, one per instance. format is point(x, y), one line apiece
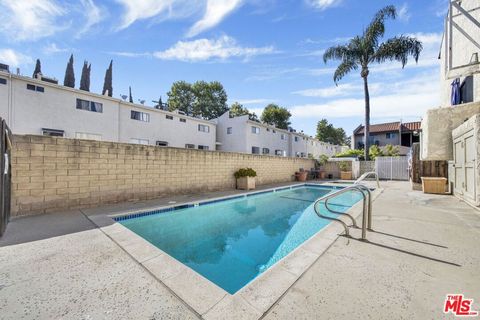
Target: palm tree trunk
point(367, 117)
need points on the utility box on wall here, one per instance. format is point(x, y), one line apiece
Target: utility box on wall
point(465, 177)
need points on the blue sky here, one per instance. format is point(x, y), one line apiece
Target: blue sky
point(261, 51)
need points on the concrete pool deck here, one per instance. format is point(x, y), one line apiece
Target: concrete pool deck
point(425, 246)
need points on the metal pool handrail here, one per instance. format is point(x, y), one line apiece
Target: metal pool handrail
point(359, 189)
point(365, 175)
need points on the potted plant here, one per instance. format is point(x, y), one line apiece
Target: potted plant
point(245, 178)
point(301, 175)
point(344, 174)
point(322, 161)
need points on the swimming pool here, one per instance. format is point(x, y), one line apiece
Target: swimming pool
point(232, 241)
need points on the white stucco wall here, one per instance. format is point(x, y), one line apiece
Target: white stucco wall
point(438, 123)
point(236, 141)
point(27, 112)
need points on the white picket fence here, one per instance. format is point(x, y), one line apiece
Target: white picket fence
point(387, 168)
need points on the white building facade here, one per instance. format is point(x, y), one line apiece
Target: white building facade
point(239, 134)
point(31, 106)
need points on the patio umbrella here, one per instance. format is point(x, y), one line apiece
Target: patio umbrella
point(455, 98)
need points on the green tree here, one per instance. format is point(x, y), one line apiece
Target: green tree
point(69, 79)
point(85, 78)
point(237, 110)
point(107, 83)
point(38, 69)
point(375, 151)
point(210, 99)
point(365, 49)
point(275, 115)
point(328, 133)
point(181, 97)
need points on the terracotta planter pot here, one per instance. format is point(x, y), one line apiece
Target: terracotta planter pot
point(301, 176)
point(346, 175)
point(246, 183)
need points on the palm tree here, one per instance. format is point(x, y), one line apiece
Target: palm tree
point(366, 49)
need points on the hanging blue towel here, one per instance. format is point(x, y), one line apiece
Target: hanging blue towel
point(455, 98)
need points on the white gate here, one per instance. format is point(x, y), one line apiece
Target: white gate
point(392, 168)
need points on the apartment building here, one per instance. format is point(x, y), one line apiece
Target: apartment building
point(33, 106)
point(239, 134)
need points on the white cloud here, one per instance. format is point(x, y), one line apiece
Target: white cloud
point(403, 13)
point(332, 91)
point(14, 58)
point(408, 98)
point(323, 4)
point(206, 49)
point(93, 15)
point(215, 12)
point(52, 48)
point(29, 20)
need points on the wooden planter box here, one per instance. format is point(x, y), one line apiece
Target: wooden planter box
point(246, 183)
point(346, 175)
point(434, 185)
point(301, 176)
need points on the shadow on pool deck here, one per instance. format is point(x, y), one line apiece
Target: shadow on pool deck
point(423, 247)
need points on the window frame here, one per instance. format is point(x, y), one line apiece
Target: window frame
point(159, 143)
point(229, 130)
point(256, 149)
point(168, 117)
point(92, 106)
point(143, 116)
point(255, 130)
point(203, 128)
point(3, 81)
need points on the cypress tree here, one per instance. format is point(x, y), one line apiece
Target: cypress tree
point(130, 98)
point(107, 83)
point(160, 103)
point(38, 69)
point(69, 80)
point(85, 79)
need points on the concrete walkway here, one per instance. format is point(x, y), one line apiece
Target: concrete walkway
point(59, 266)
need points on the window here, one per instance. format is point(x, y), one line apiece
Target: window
point(34, 87)
point(279, 153)
point(30, 87)
point(140, 116)
point(255, 150)
point(203, 128)
point(88, 136)
point(265, 151)
point(255, 130)
point(89, 105)
point(183, 120)
point(169, 117)
point(3, 81)
point(52, 132)
point(139, 141)
point(296, 139)
point(229, 130)
point(203, 147)
point(390, 135)
point(161, 143)
point(40, 89)
point(283, 136)
point(190, 146)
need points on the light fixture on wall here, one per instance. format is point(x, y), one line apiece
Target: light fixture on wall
point(474, 58)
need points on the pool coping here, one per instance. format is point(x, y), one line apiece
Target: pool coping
point(203, 296)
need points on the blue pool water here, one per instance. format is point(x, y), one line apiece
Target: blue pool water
point(232, 241)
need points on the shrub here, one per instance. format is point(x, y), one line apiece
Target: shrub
point(343, 165)
point(323, 159)
point(350, 153)
point(391, 151)
point(374, 152)
point(245, 172)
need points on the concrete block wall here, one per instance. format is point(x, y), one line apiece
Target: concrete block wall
point(52, 174)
